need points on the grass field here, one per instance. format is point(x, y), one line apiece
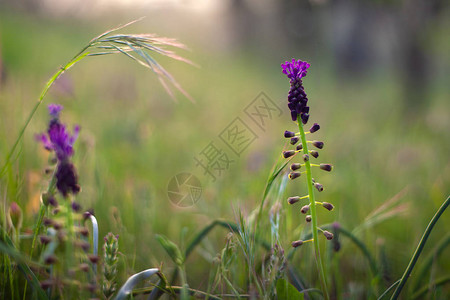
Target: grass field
point(134, 138)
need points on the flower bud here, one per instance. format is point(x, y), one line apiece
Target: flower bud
point(91, 287)
point(336, 245)
point(305, 118)
point(294, 175)
point(294, 140)
point(317, 144)
point(305, 157)
point(314, 153)
point(308, 218)
point(15, 216)
point(314, 128)
point(52, 160)
point(293, 200)
point(83, 245)
point(328, 235)
point(328, 206)
point(83, 231)
point(52, 201)
point(299, 147)
point(46, 284)
point(296, 244)
point(86, 215)
point(45, 239)
point(295, 166)
point(326, 167)
point(288, 153)
point(289, 134)
point(50, 260)
point(84, 267)
point(76, 207)
point(48, 222)
point(305, 209)
point(318, 186)
point(57, 225)
point(93, 258)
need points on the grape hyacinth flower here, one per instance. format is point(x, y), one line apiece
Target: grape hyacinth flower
point(298, 104)
point(59, 140)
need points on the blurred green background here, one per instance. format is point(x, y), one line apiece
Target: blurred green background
point(378, 86)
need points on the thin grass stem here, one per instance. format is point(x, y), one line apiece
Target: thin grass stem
point(419, 248)
point(388, 290)
point(422, 291)
point(426, 265)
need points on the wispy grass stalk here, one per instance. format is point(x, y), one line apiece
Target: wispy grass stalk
point(135, 46)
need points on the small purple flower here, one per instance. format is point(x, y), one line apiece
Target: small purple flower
point(297, 99)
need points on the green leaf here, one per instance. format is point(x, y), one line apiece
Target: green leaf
point(171, 249)
point(132, 281)
point(286, 291)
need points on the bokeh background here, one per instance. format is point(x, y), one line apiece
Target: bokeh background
point(378, 86)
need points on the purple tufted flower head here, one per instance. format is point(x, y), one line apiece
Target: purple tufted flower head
point(295, 70)
point(58, 139)
point(297, 99)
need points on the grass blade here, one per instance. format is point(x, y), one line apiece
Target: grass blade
point(429, 261)
point(419, 249)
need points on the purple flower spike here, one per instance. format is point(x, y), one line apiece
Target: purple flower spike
point(297, 99)
point(58, 139)
point(54, 110)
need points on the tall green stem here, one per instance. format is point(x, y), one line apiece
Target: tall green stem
point(312, 201)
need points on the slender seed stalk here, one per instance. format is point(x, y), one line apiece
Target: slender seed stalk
point(320, 268)
point(52, 80)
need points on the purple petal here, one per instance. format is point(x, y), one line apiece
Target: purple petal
point(76, 132)
point(54, 110)
point(44, 140)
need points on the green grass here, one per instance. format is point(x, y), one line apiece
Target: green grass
point(134, 138)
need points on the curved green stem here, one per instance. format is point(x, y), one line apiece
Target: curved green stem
point(426, 265)
point(318, 258)
point(386, 292)
point(419, 248)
